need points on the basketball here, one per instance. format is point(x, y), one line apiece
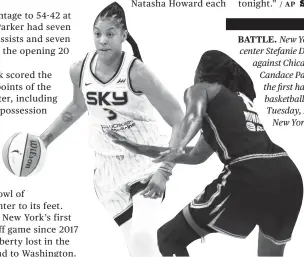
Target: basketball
point(24, 154)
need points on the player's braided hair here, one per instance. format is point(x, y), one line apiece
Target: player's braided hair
point(215, 66)
point(116, 12)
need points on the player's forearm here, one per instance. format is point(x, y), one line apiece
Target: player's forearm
point(188, 129)
point(151, 151)
point(167, 167)
point(186, 159)
point(174, 119)
point(154, 151)
point(175, 134)
point(69, 115)
point(191, 159)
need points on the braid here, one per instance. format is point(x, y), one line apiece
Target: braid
point(215, 66)
point(116, 12)
point(134, 46)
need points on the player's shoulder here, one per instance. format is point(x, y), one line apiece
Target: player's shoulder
point(77, 67)
point(207, 86)
point(142, 77)
point(138, 69)
point(210, 90)
point(75, 71)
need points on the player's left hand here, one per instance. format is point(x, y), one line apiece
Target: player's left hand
point(156, 187)
point(169, 155)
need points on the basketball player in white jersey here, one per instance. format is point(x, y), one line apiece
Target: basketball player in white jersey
point(120, 94)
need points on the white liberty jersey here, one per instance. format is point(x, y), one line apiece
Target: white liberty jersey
point(115, 105)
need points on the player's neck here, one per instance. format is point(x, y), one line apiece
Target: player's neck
point(110, 65)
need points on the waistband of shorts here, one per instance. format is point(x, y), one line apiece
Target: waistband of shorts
point(256, 156)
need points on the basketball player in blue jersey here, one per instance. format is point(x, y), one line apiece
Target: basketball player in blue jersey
point(120, 94)
point(259, 185)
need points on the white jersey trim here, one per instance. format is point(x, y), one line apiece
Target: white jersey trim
point(83, 65)
point(257, 156)
point(122, 61)
point(217, 137)
point(129, 79)
point(215, 195)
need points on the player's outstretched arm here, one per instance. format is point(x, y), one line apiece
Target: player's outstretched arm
point(198, 154)
point(190, 155)
point(75, 109)
point(147, 150)
point(196, 106)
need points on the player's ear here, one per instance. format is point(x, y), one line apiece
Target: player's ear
point(124, 35)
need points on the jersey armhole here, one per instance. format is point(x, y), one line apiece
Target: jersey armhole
point(81, 71)
point(129, 79)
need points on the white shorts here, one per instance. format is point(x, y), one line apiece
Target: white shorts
point(117, 179)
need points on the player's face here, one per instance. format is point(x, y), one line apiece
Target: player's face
point(108, 38)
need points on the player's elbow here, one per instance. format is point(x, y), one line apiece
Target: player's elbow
point(195, 160)
point(80, 108)
point(199, 158)
point(76, 109)
point(194, 118)
point(188, 159)
point(79, 103)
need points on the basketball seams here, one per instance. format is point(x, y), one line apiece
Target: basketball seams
point(23, 154)
point(25, 146)
point(40, 153)
point(8, 152)
point(39, 158)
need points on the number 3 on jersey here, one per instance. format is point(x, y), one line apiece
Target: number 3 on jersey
point(112, 115)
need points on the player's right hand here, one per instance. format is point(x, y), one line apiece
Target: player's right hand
point(123, 141)
point(156, 187)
